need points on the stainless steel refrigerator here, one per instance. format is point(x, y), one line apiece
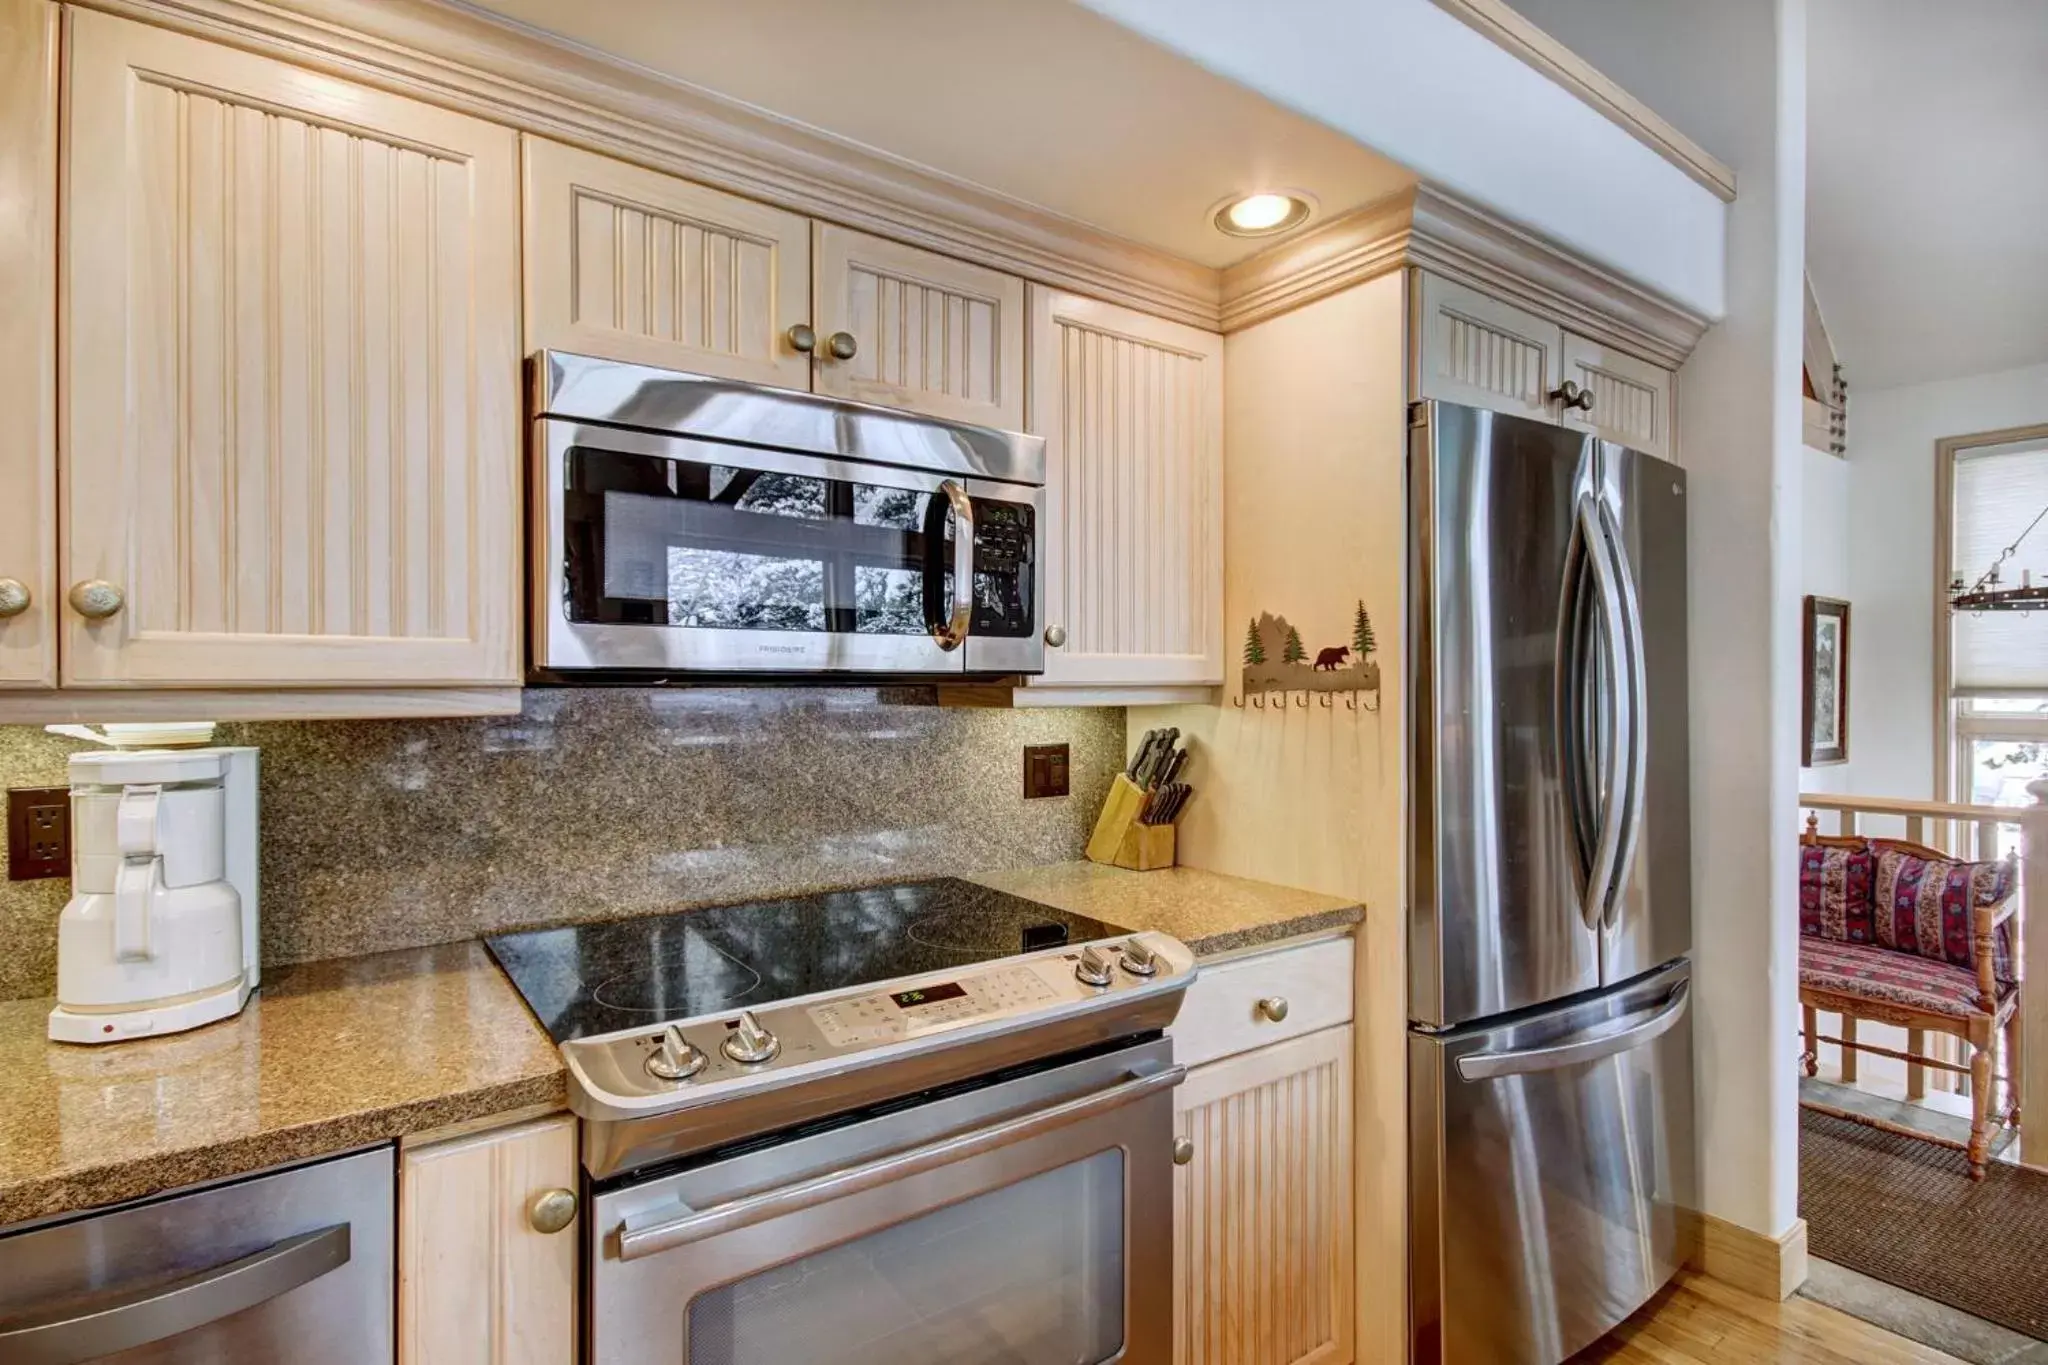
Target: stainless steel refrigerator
point(1550, 1054)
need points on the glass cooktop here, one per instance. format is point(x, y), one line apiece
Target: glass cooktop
point(585, 979)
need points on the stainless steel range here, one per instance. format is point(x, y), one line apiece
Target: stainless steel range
point(929, 1122)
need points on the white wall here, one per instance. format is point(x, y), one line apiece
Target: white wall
point(1892, 574)
point(1413, 82)
point(1824, 525)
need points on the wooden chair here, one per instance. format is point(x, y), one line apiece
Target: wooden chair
point(1923, 995)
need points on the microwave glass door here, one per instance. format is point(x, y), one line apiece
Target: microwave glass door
point(735, 558)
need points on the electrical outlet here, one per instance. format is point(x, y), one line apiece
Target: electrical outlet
point(38, 833)
point(1045, 770)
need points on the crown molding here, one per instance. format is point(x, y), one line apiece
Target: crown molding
point(450, 54)
point(1347, 250)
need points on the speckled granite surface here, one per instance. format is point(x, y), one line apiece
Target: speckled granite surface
point(600, 803)
point(328, 1056)
point(1211, 913)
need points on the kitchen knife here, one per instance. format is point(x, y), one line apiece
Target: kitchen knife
point(1174, 763)
point(1138, 757)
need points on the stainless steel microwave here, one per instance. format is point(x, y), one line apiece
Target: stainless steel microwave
point(686, 525)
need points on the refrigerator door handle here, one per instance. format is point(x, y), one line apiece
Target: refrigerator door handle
point(1601, 880)
point(1636, 1029)
point(1633, 694)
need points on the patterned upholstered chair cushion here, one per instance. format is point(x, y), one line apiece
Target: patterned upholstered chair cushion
point(1835, 892)
point(1925, 906)
point(1886, 974)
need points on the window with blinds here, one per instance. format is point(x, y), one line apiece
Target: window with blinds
point(1998, 490)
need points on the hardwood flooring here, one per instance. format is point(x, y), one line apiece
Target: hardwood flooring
point(1698, 1321)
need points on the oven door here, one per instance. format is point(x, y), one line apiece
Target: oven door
point(1028, 1221)
point(670, 554)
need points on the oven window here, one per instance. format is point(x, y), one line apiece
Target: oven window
point(1031, 1274)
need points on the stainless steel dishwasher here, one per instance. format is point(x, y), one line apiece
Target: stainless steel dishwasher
point(292, 1266)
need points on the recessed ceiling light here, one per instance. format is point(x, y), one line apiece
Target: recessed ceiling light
point(1262, 214)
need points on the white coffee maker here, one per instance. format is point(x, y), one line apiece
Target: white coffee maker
point(160, 933)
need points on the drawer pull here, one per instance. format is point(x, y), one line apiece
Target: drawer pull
point(552, 1210)
point(842, 346)
point(14, 597)
point(1183, 1151)
point(1274, 1007)
point(802, 338)
point(96, 599)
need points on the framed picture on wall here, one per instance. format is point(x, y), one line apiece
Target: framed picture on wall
point(1824, 691)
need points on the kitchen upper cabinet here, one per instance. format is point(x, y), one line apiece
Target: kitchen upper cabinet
point(1131, 409)
point(291, 418)
point(1474, 349)
point(28, 344)
point(1620, 398)
point(486, 1264)
point(909, 329)
point(1263, 1207)
point(634, 265)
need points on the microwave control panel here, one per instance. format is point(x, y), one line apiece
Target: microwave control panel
point(1005, 568)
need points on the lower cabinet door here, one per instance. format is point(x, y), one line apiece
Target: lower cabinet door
point(481, 1278)
point(1263, 1207)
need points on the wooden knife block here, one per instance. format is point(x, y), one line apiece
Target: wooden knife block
point(1120, 841)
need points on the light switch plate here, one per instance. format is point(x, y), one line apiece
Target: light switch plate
point(1045, 770)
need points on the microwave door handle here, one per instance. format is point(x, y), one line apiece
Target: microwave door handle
point(695, 1225)
point(951, 633)
point(1632, 691)
point(169, 1310)
point(1607, 849)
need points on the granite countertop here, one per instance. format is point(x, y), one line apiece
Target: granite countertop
point(1211, 913)
point(329, 1056)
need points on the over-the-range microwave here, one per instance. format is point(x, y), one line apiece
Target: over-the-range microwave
point(686, 527)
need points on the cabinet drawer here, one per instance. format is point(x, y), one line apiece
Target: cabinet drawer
point(1223, 1016)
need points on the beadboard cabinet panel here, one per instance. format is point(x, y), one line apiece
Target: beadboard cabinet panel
point(1131, 409)
point(631, 264)
point(478, 1284)
point(291, 422)
point(28, 344)
point(1631, 397)
point(1473, 349)
point(1263, 1210)
point(931, 334)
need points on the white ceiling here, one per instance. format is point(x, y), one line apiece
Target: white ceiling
point(1927, 185)
point(1039, 100)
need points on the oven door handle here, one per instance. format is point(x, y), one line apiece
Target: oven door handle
point(695, 1225)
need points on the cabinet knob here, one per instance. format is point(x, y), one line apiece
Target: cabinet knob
point(552, 1210)
point(802, 338)
point(1274, 1007)
point(14, 597)
point(1183, 1151)
point(842, 346)
point(96, 599)
point(1055, 636)
point(1571, 394)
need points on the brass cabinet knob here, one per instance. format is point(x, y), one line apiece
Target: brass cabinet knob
point(552, 1210)
point(96, 599)
point(14, 597)
point(1274, 1007)
point(1183, 1151)
point(842, 346)
point(1571, 394)
point(802, 338)
point(1055, 636)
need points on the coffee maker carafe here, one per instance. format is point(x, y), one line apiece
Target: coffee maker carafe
point(160, 933)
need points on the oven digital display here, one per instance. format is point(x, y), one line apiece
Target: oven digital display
point(929, 995)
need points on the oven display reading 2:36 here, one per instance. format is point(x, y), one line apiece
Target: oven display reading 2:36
point(928, 995)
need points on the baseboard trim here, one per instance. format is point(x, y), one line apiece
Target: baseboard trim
point(1768, 1267)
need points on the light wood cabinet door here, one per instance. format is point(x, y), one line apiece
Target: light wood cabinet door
point(1131, 409)
point(1471, 348)
point(1631, 397)
point(631, 264)
point(931, 334)
point(28, 344)
point(1263, 1209)
point(478, 1283)
point(291, 415)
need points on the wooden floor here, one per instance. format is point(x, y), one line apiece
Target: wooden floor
point(1698, 1321)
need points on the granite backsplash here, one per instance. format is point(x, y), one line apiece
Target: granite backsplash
point(601, 803)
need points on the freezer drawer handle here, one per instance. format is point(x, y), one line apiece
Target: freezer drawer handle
point(1486, 1066)
point(142, 1316)
point(696, 1225)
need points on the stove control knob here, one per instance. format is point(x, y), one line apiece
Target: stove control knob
point(677, 1058)
point(750, 1042)
point(1140, 960)
point(1094, 967)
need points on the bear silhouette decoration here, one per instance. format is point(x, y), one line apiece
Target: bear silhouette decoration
point(1333, 659)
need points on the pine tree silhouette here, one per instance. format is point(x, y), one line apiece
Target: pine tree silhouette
point(1292, 652)
point(1254, 649)
point(1361, 633)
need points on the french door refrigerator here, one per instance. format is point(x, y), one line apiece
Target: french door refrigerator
point(1550, 1056)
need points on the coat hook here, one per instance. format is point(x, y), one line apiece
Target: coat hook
point(1238, 702)
point(1302, 701)
point(1324, 697)
point(1351, 701)
point(1259, 702)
